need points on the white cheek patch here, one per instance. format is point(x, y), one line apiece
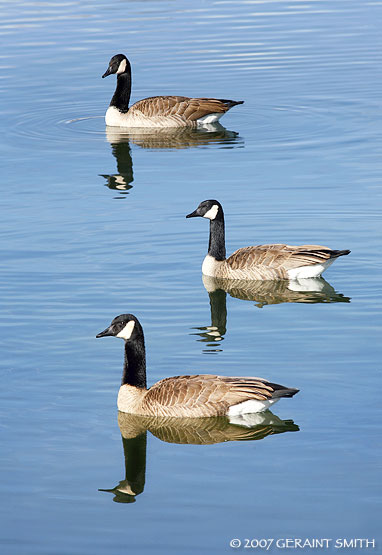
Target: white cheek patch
point(211, 214)
point(122, 67)
point(126, 332)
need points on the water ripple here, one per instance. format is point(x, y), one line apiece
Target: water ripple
point(59, 124)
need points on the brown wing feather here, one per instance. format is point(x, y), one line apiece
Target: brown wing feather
point(205, 395)
point(190, 109)
point(279, 256)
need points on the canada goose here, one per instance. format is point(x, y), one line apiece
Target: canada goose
point(261, 262)
point(190, 396)
point(158, 111)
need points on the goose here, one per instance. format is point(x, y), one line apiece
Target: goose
point(185, 396)
point(260, 262)
point(158, 111)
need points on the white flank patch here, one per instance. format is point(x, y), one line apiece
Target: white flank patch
point(250, 406)
point(210, 266)
point(249, 420)
point(209, 118)
point(126, 332)
point(211, 214)
point(122, 67)
point(308, 284)
point(315, 270)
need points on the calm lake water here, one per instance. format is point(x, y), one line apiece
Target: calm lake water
point(93, 225)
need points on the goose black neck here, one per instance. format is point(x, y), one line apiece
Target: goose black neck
point(216, 247)
point(121, 97)
point(134, 368)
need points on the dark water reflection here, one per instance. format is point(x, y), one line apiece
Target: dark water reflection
point(176, 138)
point(182, 138)
point(263, 293)
point(185, 431)
point(121, 180)
point(134, 451)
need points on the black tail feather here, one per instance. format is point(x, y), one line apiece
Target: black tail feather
point(231, 103)
point(281, 391)
point(336, 254)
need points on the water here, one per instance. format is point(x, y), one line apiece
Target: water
point(93, 225)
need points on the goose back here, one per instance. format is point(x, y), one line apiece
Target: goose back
point(198, 395)
point(275, 261)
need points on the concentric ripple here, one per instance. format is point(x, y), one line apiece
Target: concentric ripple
point(57, 124)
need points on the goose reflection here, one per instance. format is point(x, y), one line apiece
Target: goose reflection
point(121, 180)
point(173, 137)
point(310, 291)
point(166, 138)
point(134, 449)
point(190, 431)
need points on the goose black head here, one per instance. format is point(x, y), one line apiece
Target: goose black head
point(125, 326)
point(211, 209)
point(117, 64)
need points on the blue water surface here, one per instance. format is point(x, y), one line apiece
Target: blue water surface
point(93, 225)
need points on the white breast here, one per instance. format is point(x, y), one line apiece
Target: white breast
point(135, 118)
point(129, 399)
point(210, 266)
point(115, 118)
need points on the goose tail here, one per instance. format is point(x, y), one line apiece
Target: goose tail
point(281, 391)
point(230, 103)
point(336, 254)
